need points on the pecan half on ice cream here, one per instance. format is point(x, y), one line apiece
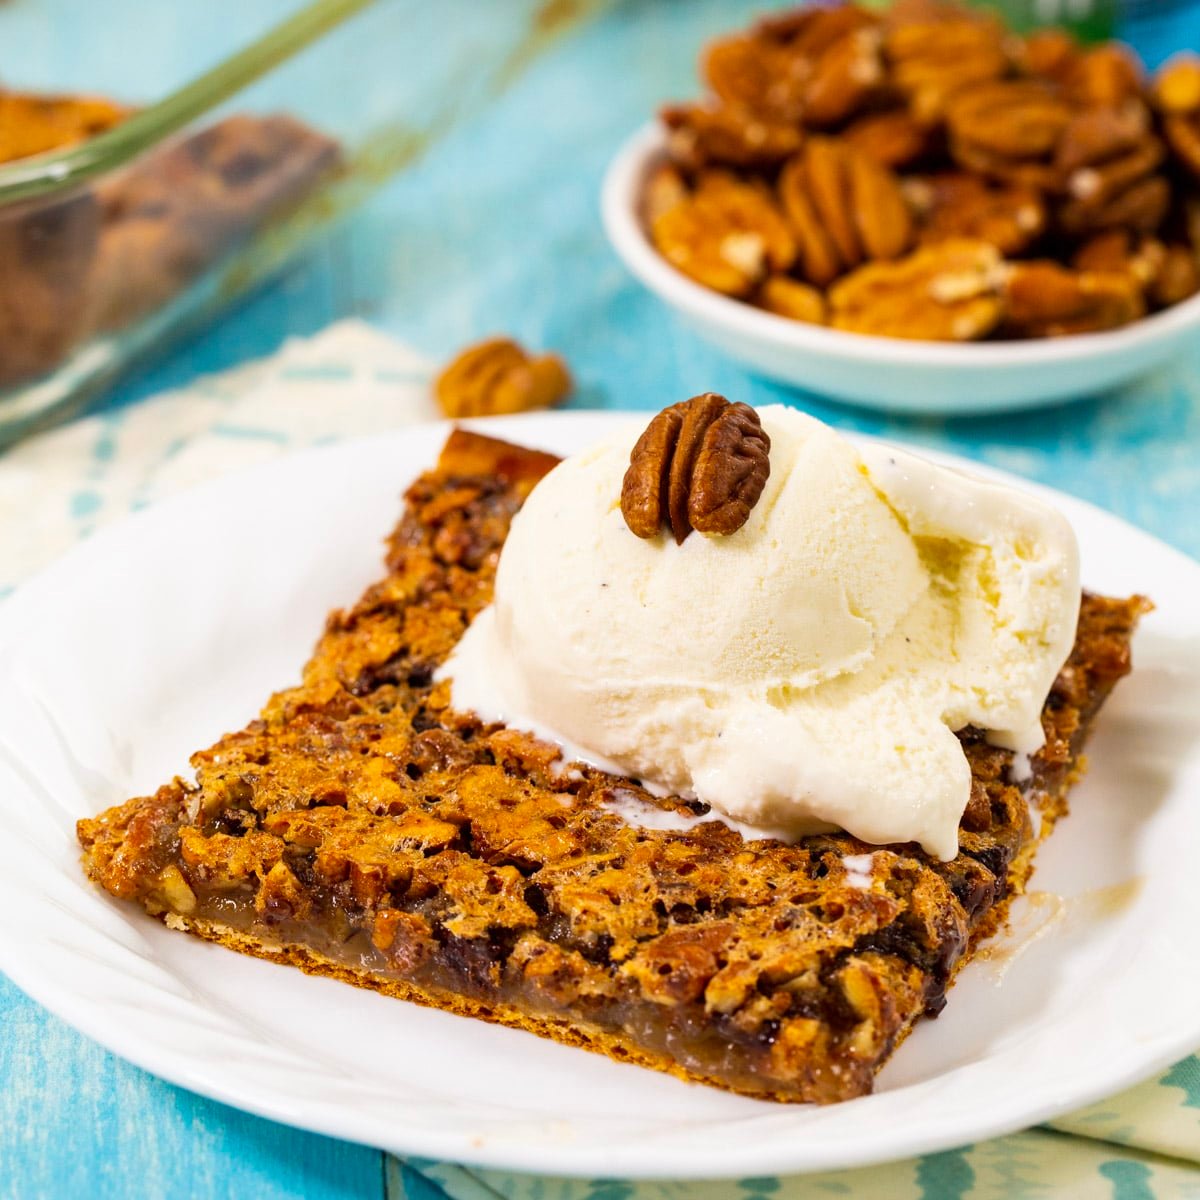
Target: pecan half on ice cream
point(700, 464)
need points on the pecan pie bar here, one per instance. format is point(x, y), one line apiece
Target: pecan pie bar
point(362, 829)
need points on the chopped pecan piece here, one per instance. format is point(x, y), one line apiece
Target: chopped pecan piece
point(700, 135)
point(844, 208)
point(1044, 299)
point(954, 204)
point(790, 298)
point(663, 189)
point(726, 235)
point(946, 292)
point(497, 376)
point(700, 464)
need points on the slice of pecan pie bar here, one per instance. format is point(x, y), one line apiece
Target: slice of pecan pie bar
point(362, 829)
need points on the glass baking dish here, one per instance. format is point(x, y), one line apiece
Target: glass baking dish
point(245, 128)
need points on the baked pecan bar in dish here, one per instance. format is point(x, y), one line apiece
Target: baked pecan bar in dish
point(363, 830)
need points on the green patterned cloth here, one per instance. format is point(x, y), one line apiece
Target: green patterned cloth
point(1143, 1144)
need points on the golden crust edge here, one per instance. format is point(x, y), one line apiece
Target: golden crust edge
point(567, 1032)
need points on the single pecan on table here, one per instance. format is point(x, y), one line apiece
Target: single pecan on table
point(700, 465)
point(496, 377)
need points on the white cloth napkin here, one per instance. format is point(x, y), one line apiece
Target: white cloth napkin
point(59, 487)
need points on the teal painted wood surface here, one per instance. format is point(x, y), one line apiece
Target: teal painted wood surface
point(498, 229)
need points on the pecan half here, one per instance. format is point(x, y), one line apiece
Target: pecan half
point(497, 376)
point(1100, 134)
point(844, 207)
point(934, 60)
point(1117, 250)
point(758, 76)
point(1177, 95)
point(1178, 278)
point(1044, 299)
point(954, 204)
point(1048, 53)
point(844, 79)
point(893, 138)
point(1014, 120)
point(700, 135)
point(945, 292)
point(811, 31)
point(1105, 204)
point(1107, 158)
point(700, 464)
point(1177, 86)
point(1167, 273)
point(787, 297)
point(727, 235)
point(1107, 74)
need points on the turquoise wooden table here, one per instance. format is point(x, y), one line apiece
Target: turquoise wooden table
point(497, 229)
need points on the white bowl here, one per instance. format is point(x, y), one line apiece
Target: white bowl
point(890, 373)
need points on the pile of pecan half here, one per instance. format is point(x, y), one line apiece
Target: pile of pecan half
point(922, 172)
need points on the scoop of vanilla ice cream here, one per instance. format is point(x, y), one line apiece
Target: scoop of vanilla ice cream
point(808, 670)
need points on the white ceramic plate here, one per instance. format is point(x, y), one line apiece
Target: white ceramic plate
point(888, 373)
point(157, 635)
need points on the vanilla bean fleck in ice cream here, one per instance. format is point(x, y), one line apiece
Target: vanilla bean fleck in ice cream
point(806, 671)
